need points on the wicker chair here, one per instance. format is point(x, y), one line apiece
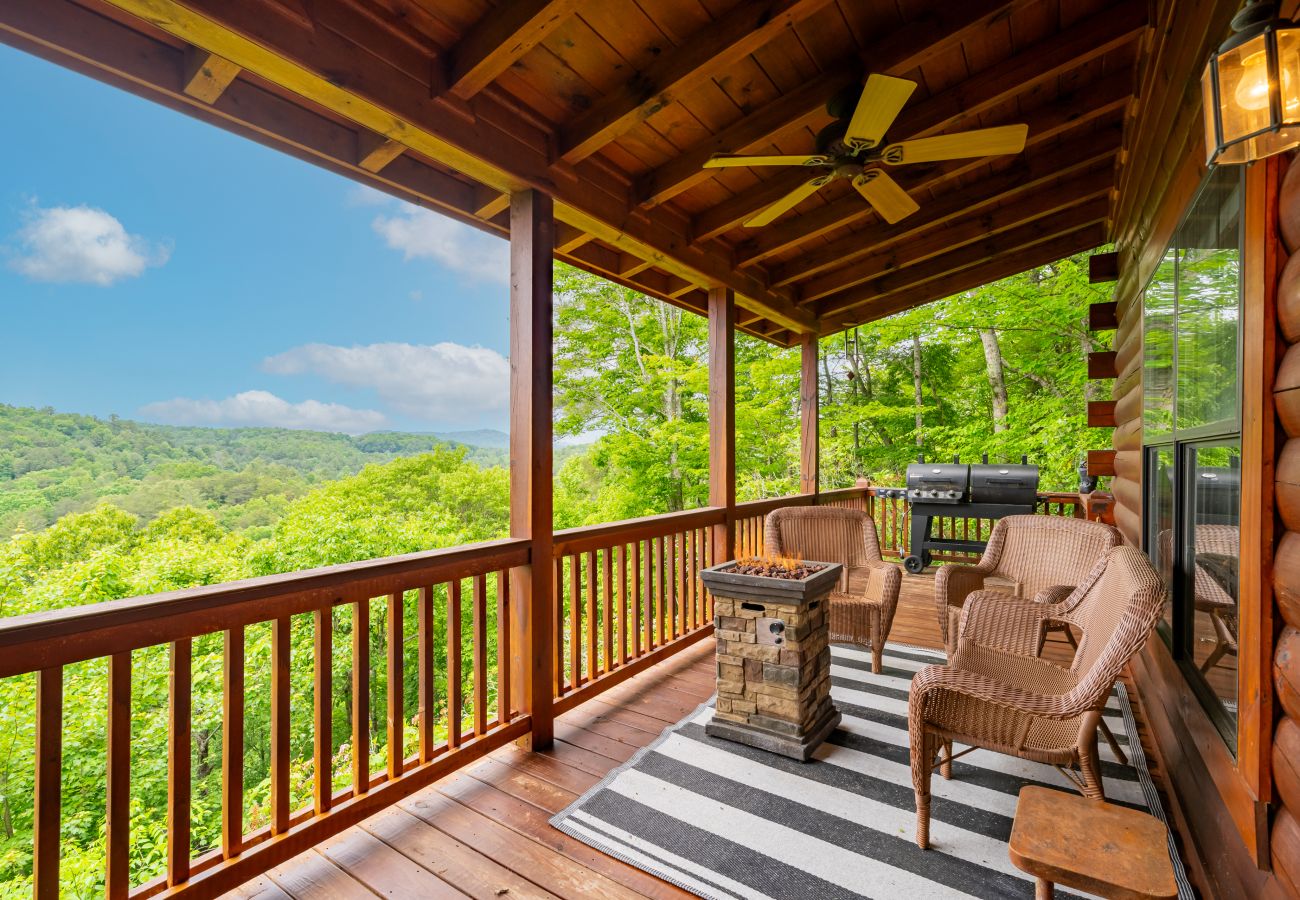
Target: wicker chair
point(1036, 553)
point(998, 694)
point(862, 608)
point(1215, 585)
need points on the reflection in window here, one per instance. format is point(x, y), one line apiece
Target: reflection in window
point(1214, 510)
point(1209, 278)
point(1158, 351)
point(1160, 524)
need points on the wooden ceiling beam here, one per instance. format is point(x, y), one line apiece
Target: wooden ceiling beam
point(745, 28)
point(1097, 100)
point(207, 75)
point(499, 39)
point(1068, 217)
point(481, 140)
point(973, 229)
point(1012, 263)
point(1037, 171)
point(374, 151)
point(961, 104)
point(900, 51)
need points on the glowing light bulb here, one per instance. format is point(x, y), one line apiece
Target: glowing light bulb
point(1252, 90)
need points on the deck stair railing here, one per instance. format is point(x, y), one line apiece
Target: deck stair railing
point(627, 597)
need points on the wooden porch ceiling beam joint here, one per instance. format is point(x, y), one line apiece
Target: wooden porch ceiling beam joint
point(1077, 45)
point(374, 151)
point(207, 75)
point(898, 53)
point(736, 34)
point(486, 145)
point(499, 39)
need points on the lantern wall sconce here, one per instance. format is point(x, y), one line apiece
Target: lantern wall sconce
point(1251, 88)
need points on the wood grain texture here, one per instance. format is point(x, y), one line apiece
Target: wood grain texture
point(1288, 207)
point(1288, 300)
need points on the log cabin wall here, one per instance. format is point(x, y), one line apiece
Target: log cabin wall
point(1238, 823)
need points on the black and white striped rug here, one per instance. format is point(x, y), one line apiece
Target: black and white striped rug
point(728, 821)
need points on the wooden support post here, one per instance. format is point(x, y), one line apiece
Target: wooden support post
point(809, 447)
point(532, 234)
point(722, 417)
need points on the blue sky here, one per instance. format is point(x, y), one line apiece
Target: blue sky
point(159, 268)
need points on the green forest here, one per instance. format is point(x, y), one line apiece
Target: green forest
point(94, 509)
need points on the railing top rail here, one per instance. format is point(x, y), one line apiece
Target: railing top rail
point(594, 537)
point(847, 493)
point(63, 636)
point(767, 504)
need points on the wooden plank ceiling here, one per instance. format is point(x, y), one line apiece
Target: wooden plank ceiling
point(613, 105)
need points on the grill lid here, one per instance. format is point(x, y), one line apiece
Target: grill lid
point(1007, 483)
point(938, 482)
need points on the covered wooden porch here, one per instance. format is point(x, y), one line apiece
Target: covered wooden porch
point(579, 131)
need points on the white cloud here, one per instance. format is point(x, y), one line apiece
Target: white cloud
point(446, 383)
point(83, 245)
point(422, 234)
point(264, 409)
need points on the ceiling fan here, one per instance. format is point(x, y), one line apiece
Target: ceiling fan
point(851, 147)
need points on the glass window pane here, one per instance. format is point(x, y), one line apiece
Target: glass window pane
point(1214, 509)
point(1209, 279)
point(1160, 524)
point(1158, 351)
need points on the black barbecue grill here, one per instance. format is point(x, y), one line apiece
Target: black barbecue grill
point(963, 491)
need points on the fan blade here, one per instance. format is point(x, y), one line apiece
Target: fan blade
point(786, 203)
point(964, 145)
point(885, 195)
point(881, 101)
point(729, 160)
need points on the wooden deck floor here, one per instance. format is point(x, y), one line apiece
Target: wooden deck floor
point(484, 831)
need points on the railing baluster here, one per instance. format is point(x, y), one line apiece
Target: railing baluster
point(557, 626)
point(592, 619)
point(232, 742)
point(480, 654)
point(660, 591)
point(692, 537)
point(641, 631)
point(280, 699)
point(621, 656)
point(607, 608)
point(396, 688)
point(48, 775)
point(178, 764)
point(117, 824)
point(503, 647)
point(323, 705)
point(679, 607)
point(575, 620)
point(454, 685)
point(360, 697)
point(424, 669)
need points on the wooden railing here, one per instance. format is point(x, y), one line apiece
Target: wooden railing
point(893, 522)
point(627, 595)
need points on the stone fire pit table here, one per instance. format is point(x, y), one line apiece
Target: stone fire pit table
point(774, 657)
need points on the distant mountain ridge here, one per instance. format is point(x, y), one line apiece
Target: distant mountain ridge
point(483, 437)
point(53, 463)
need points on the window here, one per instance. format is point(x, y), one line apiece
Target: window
point(1192, 432)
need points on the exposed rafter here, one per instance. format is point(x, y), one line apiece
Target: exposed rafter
point(735, 35)
point(499, 39)
point(1011, 263)
point(374, 151)
point(207, 75)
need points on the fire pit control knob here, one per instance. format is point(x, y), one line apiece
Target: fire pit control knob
point(777, 629)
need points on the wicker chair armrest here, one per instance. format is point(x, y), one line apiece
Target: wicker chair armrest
point(952, 584)
point(931, 683)
point(1057, 593)
point(999, 622)
point(884, 581)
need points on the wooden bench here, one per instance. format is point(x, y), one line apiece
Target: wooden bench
point(1113, 851)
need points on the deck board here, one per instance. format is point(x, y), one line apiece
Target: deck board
point(484, 832)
